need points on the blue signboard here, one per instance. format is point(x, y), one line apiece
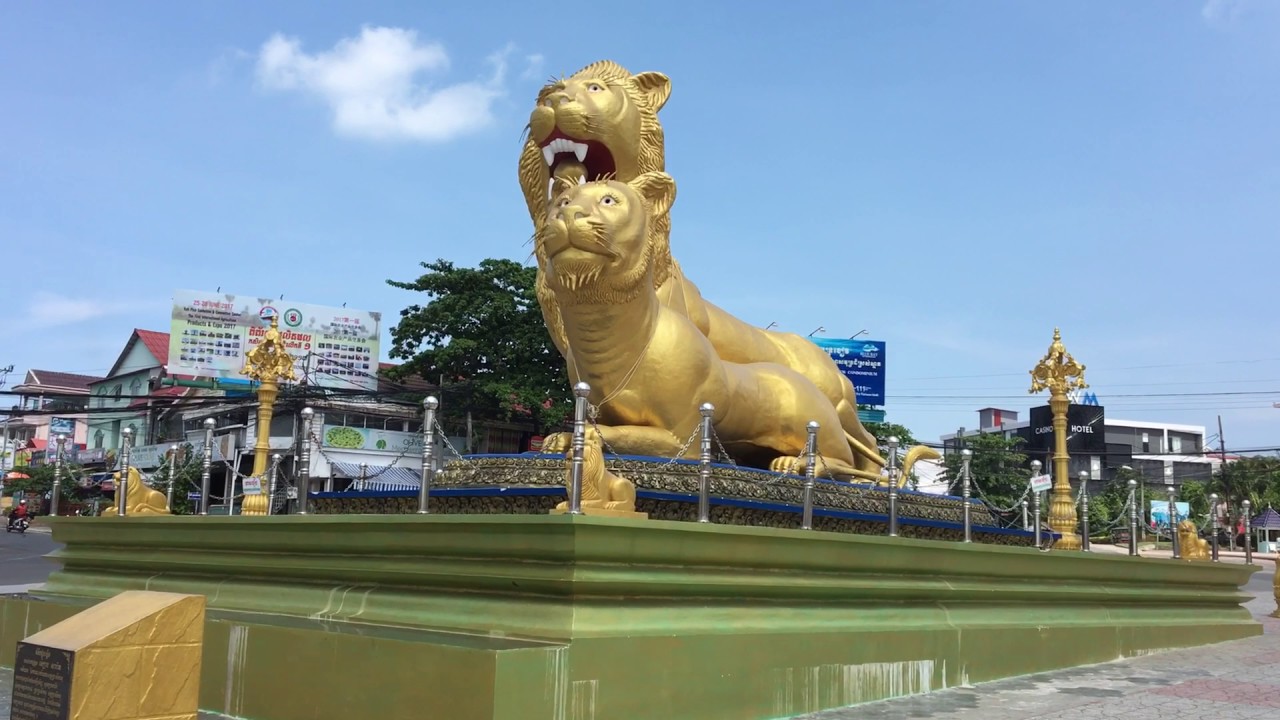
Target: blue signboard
point(862, 361)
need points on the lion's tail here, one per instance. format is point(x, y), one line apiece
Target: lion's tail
point(917, 453)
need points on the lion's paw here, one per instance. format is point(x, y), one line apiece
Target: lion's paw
point(787, 465)
point(557, 443)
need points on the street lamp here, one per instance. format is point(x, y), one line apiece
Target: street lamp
point(818, 330)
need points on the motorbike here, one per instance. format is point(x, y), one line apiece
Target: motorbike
point(21, 525)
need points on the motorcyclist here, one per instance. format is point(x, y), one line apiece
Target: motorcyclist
point(18, 512)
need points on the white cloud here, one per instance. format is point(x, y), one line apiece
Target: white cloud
point(373, 85)
point(46, 309)
point(1222, 10)
point(533, 67)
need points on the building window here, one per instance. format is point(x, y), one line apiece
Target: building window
point(117, 390)
point(1175, 444)
point(135, 387)
point(98, 438)
point(1146, 443)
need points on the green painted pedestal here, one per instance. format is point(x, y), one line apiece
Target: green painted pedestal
point(573, 617)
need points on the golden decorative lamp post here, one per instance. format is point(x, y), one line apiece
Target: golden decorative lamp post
point(268, 363)
point(1059, 373)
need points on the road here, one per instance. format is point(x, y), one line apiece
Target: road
point(22, 560)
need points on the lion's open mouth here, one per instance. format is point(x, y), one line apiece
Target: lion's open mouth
point(588, 159)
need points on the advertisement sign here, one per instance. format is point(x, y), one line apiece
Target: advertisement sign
point(341, 437)
point(252, 486)
point(146, 457)
point(1041, 483)
point(862, 361)
point(62, 426)
point(211, 333)
point(1086, 429)
point(1160, 512)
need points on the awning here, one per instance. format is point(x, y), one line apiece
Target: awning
point(379, 478)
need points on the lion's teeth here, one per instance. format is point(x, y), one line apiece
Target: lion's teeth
point(551, 186)
point(582, 179)
point(559, 145)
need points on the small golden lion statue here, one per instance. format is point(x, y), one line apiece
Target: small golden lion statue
point(138, 498)
point(1190, 543)
point(601, 489)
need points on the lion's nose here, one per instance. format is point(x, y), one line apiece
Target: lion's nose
point(558, 98)
point(572, 212)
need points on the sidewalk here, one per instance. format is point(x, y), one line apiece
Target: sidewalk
point(1238, 680)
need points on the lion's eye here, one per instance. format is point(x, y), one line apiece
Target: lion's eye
point(563, 202)
point(608, 200)
point(595, 88)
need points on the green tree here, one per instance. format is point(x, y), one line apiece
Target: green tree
point(997, 469)
point(884, 431)
point(906, 440)
point(481, 330)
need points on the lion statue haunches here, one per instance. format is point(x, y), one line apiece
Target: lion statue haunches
point(600, 488)
point(645, 362)
point(602, 122)
point(138, 498)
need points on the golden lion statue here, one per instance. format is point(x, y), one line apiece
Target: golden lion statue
point(648, 361)
point(600, 488)
point(1190, 543)
point(138, 498)
point(602, 122)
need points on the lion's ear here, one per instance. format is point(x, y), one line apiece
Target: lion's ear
point(654, 87)
point(658, 190)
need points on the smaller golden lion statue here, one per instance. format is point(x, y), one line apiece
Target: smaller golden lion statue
point(138, 498)
point(601, 489)
point(1190, 543)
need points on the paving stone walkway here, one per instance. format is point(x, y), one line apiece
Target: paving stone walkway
point(1239, 680)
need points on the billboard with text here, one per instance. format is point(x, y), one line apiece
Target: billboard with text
point(211, 333)
point(862, 361)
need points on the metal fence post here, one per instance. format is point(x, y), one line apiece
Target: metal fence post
point(57, 475)
point(122, 488)
point(1026, 522)
point(304, 460)
point(428, 475)
point(1084, 511)
point(580, 392)
point(273, 475)
point(1248, 532)
point(173, 472)
point(206, 462)
point(966, 455)
point(704, 465)
point(810, 472)
point(1133, 518)
point(1035, 500)
point(893, 486)
point(1213, 526)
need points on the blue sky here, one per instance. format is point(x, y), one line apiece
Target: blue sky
point(954, 178)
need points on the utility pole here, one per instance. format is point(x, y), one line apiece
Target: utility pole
point(6, 455)
point(1226, 487)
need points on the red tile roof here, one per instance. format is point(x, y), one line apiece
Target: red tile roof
point(157, 343)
